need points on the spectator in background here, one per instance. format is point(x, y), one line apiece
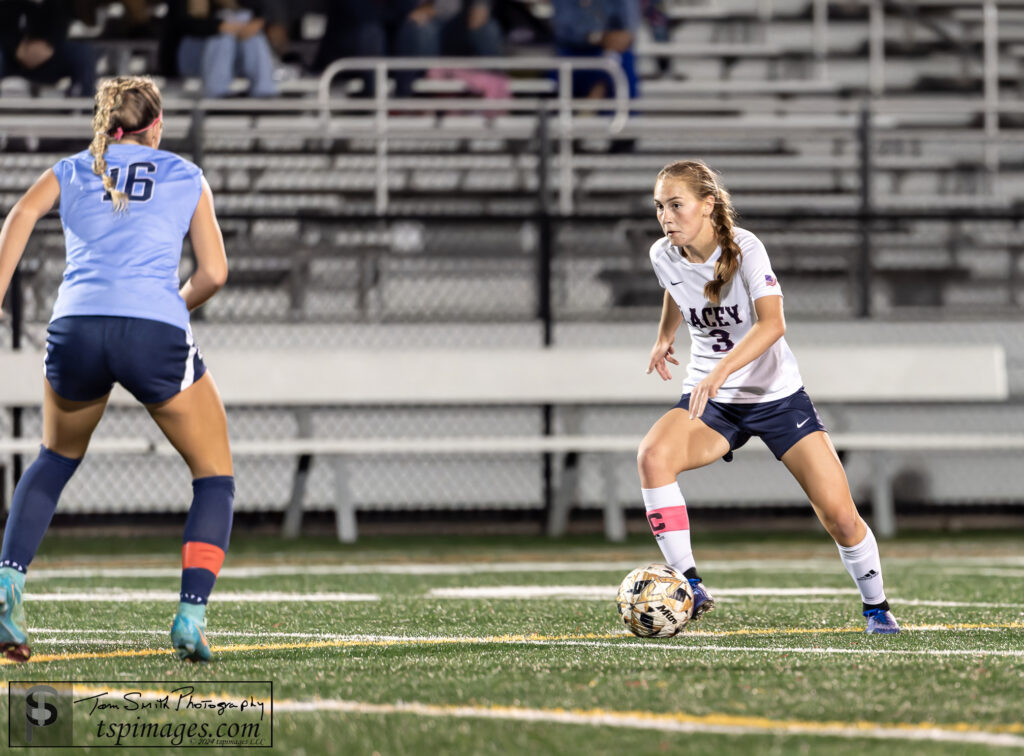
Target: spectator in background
point(276, 22)
point(216, 40)
point(407, 28)
point(458, 27)
point(372, 29)
point(34, 45)
point(655, 14)
point(592, 28)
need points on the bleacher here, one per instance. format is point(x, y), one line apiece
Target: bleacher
point(431, 221)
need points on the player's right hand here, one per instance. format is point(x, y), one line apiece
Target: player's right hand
point(660, 355)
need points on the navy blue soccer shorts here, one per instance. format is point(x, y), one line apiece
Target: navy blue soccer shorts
point(87, 354)
point(780, 424)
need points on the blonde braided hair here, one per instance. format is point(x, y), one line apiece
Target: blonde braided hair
point(703, 183)
point(123, 104)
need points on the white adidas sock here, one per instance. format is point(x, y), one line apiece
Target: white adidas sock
point(865, 567)
point(666, 513)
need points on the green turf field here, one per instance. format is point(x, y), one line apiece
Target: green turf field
point(513, 645)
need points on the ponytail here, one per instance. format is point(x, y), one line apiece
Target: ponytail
point(123, 105)
point(703, 183)
point(728, 262)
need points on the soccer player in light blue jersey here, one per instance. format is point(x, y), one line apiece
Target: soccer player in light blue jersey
point(120, 316)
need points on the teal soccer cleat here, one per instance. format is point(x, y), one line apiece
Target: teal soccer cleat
point(881, 622)
point(702, 600)
point(13, 628)
point(188, 633)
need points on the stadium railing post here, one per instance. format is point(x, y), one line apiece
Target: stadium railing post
point(882, 505)
point(862, 289)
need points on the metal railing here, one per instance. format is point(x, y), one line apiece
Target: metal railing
point(877, 25)
point(563, 103)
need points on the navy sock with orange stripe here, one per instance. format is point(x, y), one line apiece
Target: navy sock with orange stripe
point(207, 532)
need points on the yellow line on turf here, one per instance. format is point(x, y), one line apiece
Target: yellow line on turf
point(333, 643)
point(498, 639)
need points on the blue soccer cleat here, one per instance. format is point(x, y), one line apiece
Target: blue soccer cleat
point(881, 622)
point(188, 633)
point(702, 600)
point(13, 628)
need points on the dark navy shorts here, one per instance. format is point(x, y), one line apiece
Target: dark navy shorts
point(87, 354)
point(780, 424)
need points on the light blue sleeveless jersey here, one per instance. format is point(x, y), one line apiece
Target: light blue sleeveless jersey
point(126, 263)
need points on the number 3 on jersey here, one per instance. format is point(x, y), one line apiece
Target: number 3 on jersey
point(724, 343)
point(138, 182)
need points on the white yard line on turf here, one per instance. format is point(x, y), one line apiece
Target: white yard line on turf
point(1008, 573)
point(595, 592)
point(690, 640)
point(117, 596)
point(682, 647)
point(901, 602)
point(284, 561)
point(817, 566)
point(705, 724)
point(720, 724)
point(805, 595)
point(462, 568)
point(606, 592)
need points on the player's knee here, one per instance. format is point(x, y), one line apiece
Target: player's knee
point(653, 460)
point(841, 522)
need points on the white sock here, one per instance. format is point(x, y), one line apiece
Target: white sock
point(666, 513)
point(865, 567)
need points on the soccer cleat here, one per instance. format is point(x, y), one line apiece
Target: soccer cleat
point(188, 636)
point(881, 622)
point(13, 629)
point(702, 600)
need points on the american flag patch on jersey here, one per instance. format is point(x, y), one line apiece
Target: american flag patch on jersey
point(770, 279)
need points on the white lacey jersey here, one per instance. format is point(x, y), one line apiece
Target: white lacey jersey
point(716, 329)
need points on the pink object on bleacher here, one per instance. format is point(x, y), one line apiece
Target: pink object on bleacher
point(485, 84)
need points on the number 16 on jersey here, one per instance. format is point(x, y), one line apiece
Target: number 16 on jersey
point(138, 182)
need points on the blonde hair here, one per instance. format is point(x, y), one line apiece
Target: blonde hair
point(123, 105)
point(703, 183)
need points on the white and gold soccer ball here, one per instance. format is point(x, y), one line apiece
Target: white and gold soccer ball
point(655, 601)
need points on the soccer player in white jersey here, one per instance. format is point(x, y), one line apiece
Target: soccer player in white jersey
point(122, 316)
point(742, 380)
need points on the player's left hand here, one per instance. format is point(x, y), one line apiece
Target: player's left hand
point(702, 392)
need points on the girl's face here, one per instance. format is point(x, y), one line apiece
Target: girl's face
point(681, 214)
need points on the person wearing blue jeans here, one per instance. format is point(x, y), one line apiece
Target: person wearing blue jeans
point(455, 27)
point(407, 28)
point(220, 39)
point(360, 29)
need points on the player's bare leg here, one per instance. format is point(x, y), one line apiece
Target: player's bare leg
point(195, 423)
point(816, 466)
point(67, 428)
point(674, 444)
point(814, 463)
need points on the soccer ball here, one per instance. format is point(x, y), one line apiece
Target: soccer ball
point(655, 601)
